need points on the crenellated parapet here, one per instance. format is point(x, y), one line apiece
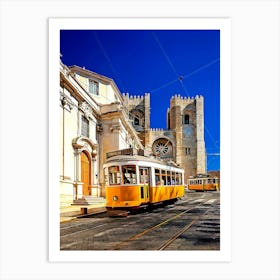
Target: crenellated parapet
point(157, 129)
point(180, 97)
point(135, 100)
point(179, 100)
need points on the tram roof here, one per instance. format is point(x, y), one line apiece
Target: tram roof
point(124, 158)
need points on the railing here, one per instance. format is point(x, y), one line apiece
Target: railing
point(128, 152)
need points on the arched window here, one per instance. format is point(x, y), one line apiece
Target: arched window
point(136, 120)
point(85, 126)
point(186, 119)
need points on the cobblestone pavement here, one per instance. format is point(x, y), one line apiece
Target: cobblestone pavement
point(192, 223)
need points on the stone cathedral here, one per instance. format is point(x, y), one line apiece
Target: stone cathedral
point(183, 140)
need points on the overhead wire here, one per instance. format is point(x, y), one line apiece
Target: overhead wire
point(165, 54)
point(107, 58)
point(211, 137)
point(187, 75)
point(179, 78)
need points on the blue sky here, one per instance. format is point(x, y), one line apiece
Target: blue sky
point(161, 62)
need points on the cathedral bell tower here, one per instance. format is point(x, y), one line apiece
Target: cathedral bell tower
point(186, 119)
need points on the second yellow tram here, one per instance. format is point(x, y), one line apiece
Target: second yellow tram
point(203, 183)
point(135, 181)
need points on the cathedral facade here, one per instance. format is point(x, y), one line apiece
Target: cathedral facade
point(182, 141)
point(96, 119)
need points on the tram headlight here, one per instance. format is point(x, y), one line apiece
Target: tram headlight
point(115, 198)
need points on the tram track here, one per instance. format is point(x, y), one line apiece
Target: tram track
point(82, 230)
point(148, 230)
point(180, 232)
point(86, 226)
point(107, 234)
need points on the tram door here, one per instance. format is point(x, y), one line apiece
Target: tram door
point(144, 177)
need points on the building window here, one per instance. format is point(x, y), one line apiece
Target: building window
point(136, 121)
point(188, 151)
point(85, 127)
point(93, 87)
point(186, 119)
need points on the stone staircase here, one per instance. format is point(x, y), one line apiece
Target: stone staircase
point(89, 200)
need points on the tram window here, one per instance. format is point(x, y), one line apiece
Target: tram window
point(157, 177)
point(179, 179)
point(164, 177)
point(173, 182)
point(106, 176)
point(114, 175)
point(168, 178)
point(144, 175)
point(129, 174)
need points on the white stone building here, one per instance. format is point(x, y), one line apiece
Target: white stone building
point(93, 122)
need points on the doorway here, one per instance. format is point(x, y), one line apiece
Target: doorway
point(86, 173)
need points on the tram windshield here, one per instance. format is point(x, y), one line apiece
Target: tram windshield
point(114, 175)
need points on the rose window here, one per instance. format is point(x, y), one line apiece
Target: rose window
point(162, 147)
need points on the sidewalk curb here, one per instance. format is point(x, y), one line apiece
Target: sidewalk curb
point(64, 218)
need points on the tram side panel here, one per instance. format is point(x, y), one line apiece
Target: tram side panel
point(167, 185)
point(163, 193)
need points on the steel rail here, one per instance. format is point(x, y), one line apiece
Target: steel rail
point(180, 232)
point(74, 226)
point(138, 235)
point(82, 230)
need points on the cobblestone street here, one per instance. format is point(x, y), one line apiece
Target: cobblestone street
point(192, 223)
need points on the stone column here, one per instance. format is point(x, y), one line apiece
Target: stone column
point(78, 185)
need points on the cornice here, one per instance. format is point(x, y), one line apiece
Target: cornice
point(89, 73)
point(78, 95)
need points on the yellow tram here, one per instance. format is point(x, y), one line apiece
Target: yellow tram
point(203, 183)
point(135, 181)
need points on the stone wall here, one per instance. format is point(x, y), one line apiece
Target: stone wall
point(138, 106)
point(185, 133)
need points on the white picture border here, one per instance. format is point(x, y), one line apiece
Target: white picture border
point(222, 24)
point(24, 117)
